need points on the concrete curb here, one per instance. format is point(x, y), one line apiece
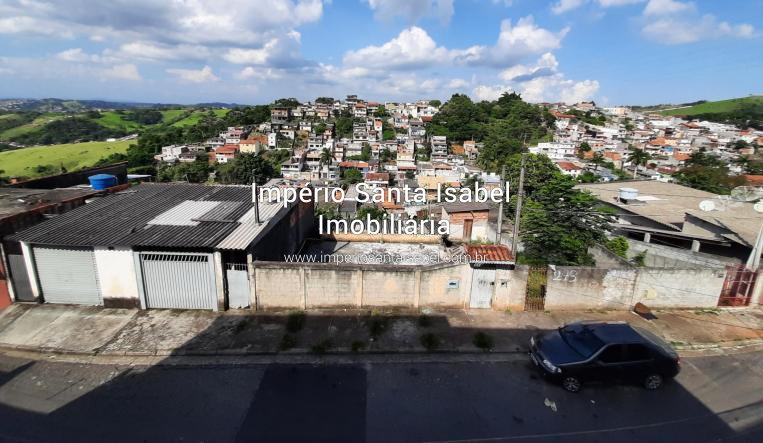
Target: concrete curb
point(235, 356)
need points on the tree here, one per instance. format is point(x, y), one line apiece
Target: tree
point(351, 176)
point(582, 149)
point(343, 127)
point(618, 245)
point(375, 212)
point(598, 159)
point(560, 224)
point(290, 102)
point(638, 157)
point(381, 111)
point(324, 100)
point(588, 177)
point(365, 152)
point(435, 103)
point(472, 180)
point(244, 168)
point(194, 172)
point(326, 157)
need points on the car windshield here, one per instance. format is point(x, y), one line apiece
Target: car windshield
point(581, 339)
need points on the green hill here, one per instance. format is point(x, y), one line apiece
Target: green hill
point(743, 112)
point(723, 106)
point(36, 161)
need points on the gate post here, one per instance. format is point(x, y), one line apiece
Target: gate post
point(252, 282)
point(219, 280)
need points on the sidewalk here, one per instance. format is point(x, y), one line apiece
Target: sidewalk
point(119, 332)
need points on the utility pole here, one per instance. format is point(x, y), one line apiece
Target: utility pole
point(520, 194)
point(500, 206)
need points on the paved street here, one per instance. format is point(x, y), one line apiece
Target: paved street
point(715, 398)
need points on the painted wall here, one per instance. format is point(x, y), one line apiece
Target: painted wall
point(117, 278)
point(586, 288)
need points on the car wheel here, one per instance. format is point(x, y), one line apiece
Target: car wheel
point(571, 384)
point(653, 381)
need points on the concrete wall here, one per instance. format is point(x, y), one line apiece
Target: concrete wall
point(511, 287)
point(328, 285)
point(117, 278)
point(584, 288)
point(660, 256)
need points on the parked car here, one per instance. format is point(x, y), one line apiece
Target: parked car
point(614, 351)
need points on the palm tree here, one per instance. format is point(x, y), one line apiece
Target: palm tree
point(638, 157)
point(326, 157)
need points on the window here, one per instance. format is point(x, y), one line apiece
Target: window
point(637, 352)
point(613, 354)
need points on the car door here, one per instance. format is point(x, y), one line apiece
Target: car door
point(638, 362)
point(606, 366)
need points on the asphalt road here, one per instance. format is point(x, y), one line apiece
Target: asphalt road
point(714, 398)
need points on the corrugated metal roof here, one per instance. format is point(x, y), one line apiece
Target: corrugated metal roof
point(184, 213)
point(249, 231)
point(123, 219)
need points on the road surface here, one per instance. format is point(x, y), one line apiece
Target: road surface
point(714, 398)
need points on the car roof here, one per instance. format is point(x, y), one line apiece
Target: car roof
point(613, 332)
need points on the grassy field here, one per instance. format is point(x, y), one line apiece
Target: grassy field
point(22, 162)
point(29, 127)
point(169, 115)
point(114, 120)
point(196, 116)
point(718, 107)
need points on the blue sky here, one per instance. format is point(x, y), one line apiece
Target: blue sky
point(253, 51)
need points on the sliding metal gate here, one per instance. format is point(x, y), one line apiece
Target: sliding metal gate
point(67, 275)
point(177, 280)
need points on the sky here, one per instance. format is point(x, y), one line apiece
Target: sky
point(616, 52)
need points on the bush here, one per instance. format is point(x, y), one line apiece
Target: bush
point(425, 321)
point(358, 345)
point(483, 341)
point(295, 321)
point(321, 347)
point(288, 341)
point(430, 341)
point(618, 245)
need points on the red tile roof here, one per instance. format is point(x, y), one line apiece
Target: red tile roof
point(681, 157)
point(353, 164)
point(227, 149)
point(754, 180)
point(569, 166)
point(489, 253)
point(377, 176)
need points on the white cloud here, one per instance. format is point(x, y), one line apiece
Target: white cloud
point(673, 22)
point(202, 75)
point(458, 83)
point(73, 55)
point(160, 52)
point(412, 10)
point(282, 51)
point(518, 41)
point(663, 7)
point(413, 47)
point(539, 82)
point(258, 73)
point(612, 3)
point(126, 71)
point(566, 5)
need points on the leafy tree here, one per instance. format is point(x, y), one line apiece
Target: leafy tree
point(588, 177)
point(324, 100)
point(343, 127)
point(351, 176)
point(458, 119)
point(320, 128)
point(242, 169)
point(326, 157)
point(144, 116)
point(598, 159)
point(582, 149)
point(618, 245)
point(472, 180)
point(365, 152)
point(194, 172)
point(287, 102)
point(375, 212)
point(435, 103)
point(381, 111)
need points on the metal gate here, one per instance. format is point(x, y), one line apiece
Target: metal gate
point(738, 286)
point(177, 280)
point(535, 296)
point(483, 285)
point(237, 277)
point(67, 275)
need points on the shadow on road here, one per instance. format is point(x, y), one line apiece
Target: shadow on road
point(329, 402)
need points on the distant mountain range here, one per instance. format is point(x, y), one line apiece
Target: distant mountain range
point(62, 105)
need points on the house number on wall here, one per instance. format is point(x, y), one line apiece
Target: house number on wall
point(569, 276)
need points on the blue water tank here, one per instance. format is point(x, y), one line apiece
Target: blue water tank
point(100, 182)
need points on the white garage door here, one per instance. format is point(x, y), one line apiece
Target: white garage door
point(178, 280)
point(67, 275)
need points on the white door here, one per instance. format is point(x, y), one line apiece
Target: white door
point(483, 286)
point(67, 275)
